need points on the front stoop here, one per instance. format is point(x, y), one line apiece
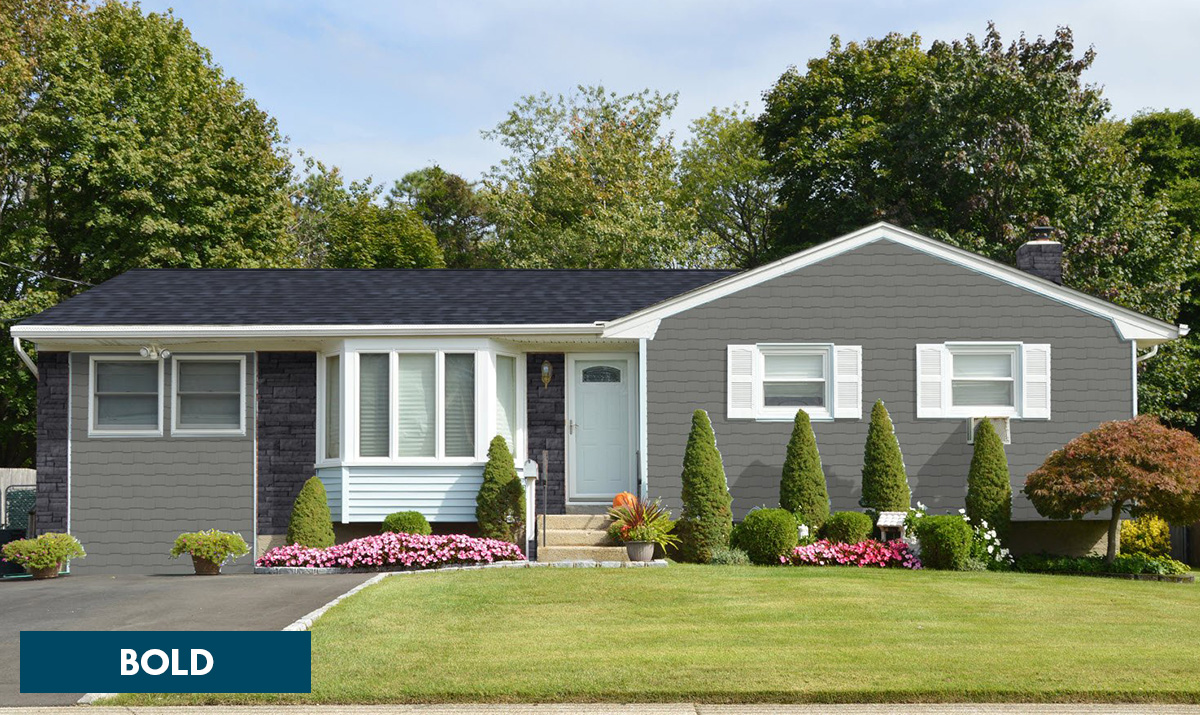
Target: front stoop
point(577, 537)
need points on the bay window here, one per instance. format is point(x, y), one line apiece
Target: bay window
point(374, 379)
point(333, 406)
point(506, 399)
point(417, 404)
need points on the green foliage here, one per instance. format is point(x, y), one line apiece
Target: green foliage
point(407, 522)
point(723, 556)
point(989, 487)
point(945, 542)
point(802, 488)
point(212, 545)
point(1147, 535)
point(500, 503)
point(642, 521)
point(589, 183)
point(847, 527)
point(453, 209)
point(310, 524)
point(725, 180)
point(43, 551)
point(765, 535)
point(884, 481)
point(707, 518)
point(1122, 564)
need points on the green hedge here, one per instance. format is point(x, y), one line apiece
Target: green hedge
point(1122, 564)
point(765, 535)
point(945, 542)
point(847, 527)
point(407, 522)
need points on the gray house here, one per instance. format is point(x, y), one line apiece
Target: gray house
point(175, 400)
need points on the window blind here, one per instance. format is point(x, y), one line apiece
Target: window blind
point(506, 398)
point(127, 395)
point(416, 420)
point(460, 405)
point(210, 394)
point(333, 407)
point(373, 416)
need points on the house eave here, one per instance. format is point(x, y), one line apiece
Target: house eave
point(191, 332)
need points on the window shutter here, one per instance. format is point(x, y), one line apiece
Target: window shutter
point(931, 391)
point(1035, 374)
point(847, 382)
point(740, 382)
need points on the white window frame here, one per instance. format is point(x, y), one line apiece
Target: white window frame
point(519, 370)
point(176, 429)
point(764, 413)
point(1013, 349)
point(324, 460)
point(93, 429)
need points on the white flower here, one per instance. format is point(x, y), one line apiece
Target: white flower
point(991, 548)
point(991, 534)
point(983, 523)
point(962, 511)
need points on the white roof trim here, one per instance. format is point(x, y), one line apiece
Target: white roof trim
point(32, 332)
point(1130, 324)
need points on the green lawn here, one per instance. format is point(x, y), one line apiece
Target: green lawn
point(751, 634)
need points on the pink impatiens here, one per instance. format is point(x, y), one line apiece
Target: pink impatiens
point(393, 551)
point(878, 554)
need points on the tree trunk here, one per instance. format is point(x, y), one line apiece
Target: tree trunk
point(1114, 533)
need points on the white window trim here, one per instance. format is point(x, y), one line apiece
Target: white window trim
point(519, 449)
point(948, 379)
point(762, 412)
point(240, 430)
point(322, 459)
point(93, 430)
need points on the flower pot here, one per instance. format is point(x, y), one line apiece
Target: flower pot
point(44, 572)
point(640, 550)
point(204, 567)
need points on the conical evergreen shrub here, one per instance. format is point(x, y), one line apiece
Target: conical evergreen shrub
point(500, 503)
point(310, 524)
point(884, 483)
point(802, 488)
point(706, 519)
point(989, 486)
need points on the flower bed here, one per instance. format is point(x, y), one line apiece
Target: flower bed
point(396, 551)
point(870, 553)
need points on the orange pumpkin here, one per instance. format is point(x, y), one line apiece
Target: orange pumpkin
point(624, 499)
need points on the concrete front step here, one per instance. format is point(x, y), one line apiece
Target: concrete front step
point(576, 537)
point(560, 522)
point(550, 554)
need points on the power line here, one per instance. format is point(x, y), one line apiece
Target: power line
point(43, 274)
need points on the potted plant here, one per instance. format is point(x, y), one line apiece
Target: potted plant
point(44, 556)
point(210, 549)
point(642, 525)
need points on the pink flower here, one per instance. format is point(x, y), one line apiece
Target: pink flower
point(862, 554)
point(396, 551)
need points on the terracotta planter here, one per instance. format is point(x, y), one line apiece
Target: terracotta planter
point(204, 567)
point(640, 550)
point(46, 572)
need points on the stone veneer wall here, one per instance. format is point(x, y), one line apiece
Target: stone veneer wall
point(52, 446)
point(287, 434)
point(545, 409)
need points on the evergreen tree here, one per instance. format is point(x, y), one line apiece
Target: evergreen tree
point(310, 524)
point(706, 519)
point(500, 503)
point(884, 483)
point(989, 489)
point(802, 487)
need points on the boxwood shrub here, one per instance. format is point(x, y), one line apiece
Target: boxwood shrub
point(945, 542)
point(847, 527)
point(407, 522)
point(766, 534)
point(1122, 564)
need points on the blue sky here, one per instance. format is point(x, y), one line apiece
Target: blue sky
point(381, 88)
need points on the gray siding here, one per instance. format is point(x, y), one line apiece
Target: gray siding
point(52, 391)
point(887, 298)
point(130, 497)
point(287, 434)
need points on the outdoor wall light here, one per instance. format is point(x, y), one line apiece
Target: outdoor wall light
point(152, 352)
point(547, 373)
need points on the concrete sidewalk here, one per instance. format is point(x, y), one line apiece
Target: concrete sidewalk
point(640, 709)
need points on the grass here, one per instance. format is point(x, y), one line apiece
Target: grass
point(750, 634)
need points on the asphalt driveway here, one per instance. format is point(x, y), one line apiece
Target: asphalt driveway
point(151, 603)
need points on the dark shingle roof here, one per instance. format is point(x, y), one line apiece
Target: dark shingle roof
point(370, 297)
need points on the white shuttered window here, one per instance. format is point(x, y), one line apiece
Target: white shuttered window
point(771, 381)
point(964, 380)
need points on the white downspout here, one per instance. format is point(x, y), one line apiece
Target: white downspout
point(1146, 356)
point(25, 357)
point(643, 437)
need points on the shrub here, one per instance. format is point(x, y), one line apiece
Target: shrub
point(407, 522)
point(397, 551)
point(1147, 535)
point(43, 551)
point(1090, 565)
point(892, 554)
point(945, 541)
point(500, 503)
point(724, 556)
point(766, 534)
point(706, 519)
point(310, 524)
point(847, 527)
point(986, 547)
point(884, 482)
point(989, 487)
point(642, 521)
point(802, 488)
point(212, 545)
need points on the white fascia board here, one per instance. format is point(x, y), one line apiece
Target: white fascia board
point(1130, 324)
point(178, 332)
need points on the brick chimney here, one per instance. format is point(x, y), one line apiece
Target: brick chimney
point(1041, 255)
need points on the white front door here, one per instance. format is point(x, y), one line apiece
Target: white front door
point(601, 401)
